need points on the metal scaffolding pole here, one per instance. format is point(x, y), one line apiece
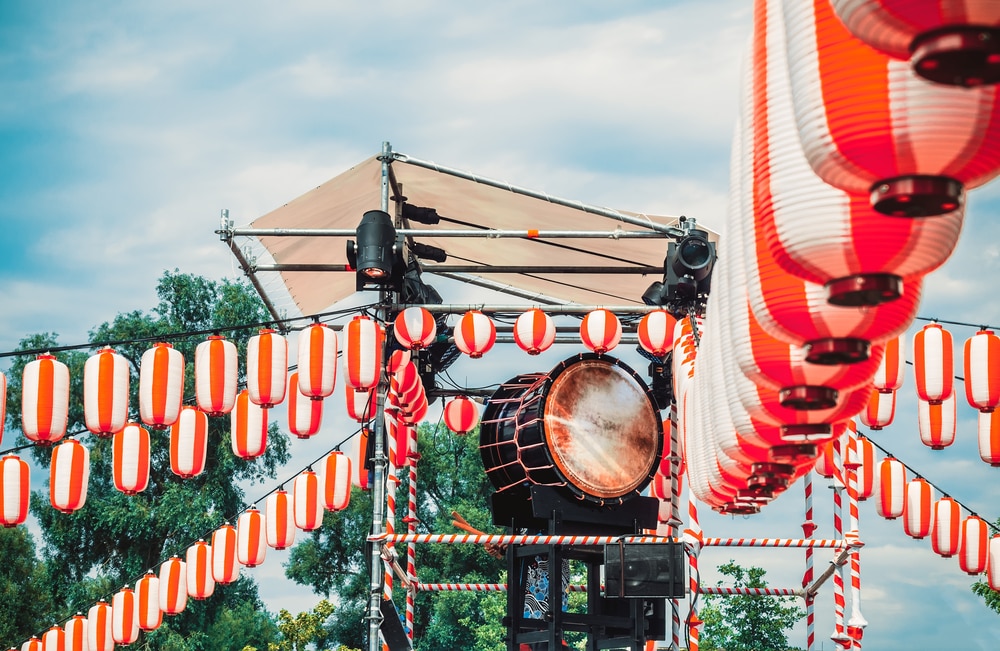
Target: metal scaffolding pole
point(488, 233)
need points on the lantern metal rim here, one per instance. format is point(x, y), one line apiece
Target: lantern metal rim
point(806, 432)
point(864, 290)
point(917, 195)
point(807, 397)
point(958, 55)
point(831, 351)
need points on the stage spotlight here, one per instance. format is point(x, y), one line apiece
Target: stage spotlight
point(420, 215)
point(428, 252)
point(687, 273)
point(377, 256)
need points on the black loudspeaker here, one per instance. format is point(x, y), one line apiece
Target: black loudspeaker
point(637, 570)
point(392, 630)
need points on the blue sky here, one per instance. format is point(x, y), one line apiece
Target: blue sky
point(126, 127)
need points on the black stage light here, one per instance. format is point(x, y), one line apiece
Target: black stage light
point(378, 253)
point(428, 252)
point(644, 570)
point(655, 294)
point(420, 215)
point(689, 266)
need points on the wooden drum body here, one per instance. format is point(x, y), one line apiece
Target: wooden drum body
point(589, 426)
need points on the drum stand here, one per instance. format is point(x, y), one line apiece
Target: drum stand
point(609, 623)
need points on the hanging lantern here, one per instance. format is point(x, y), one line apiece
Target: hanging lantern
point(34, 644)
point(397, 359)
point(889, 376)
point(946, 41)
point(363, 342)
point(656, 332)
point(868, 124)
point(475, 334)
point(76, 633)
point(946, 527)
point(824, 462)
point(305, 415)
point(361, 477)
point(225, 568)
point(124, 623)
point(461, 415)
point(600, 331)
point(280, 520)
point(360, 405)
point(415, 328)
point(989, 437)
point(215, 374)
point(932, 363)
point(973, 545)
point(308, 506)
point(161, 386)
point(248, 427)
point(3, 404)
point(130, 459)
point(267, 368)
point(250, 549)
point(173, 586)
point(105, 392)
point(99, 634)
point(69, 476)
point(993, 563)
point(891, 489)
point(15, 490)
point(936, 422)
point(534, 331)
point(147, 595)
point(336, 481)
point(880, 410)
point(189, 443)
point(982, 370)
point(200, 582)
point(317, 358)
point(54, 639)
point(917, 514)
point(44, 400)
point(863, 454)
point(416, 412)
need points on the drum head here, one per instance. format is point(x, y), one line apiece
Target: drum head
point(602, 429)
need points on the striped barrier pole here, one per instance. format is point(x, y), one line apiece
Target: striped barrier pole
point(521, 539)
point(839, 635)
point(808, 529)
point(411, 548)
point(857, 623)
point(696, 536)
point(676, 488)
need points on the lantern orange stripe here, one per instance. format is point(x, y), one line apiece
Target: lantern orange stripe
point(217, 372)
point(46, 397)
point(264, 371)
point(105, 391)
point(315, 355)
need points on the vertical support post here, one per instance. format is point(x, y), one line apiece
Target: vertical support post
point(857, 622)
point(411, 548)
point(379, 461)
point(839, 633)
point(808, 529)
point(694, 533)
point(676, 481)
point(391, 481)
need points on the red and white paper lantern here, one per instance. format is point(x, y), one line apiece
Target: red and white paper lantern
point(933, 365)
point(475, 334)
point(225, 567)
point(130, 459)
point(15, 490)
point(200, 581)
point(415, 328)
point(360, 404)
point(363, 343)
point(461, 415)
point(305, 415)
point(34, 644)
point(993, 563)
point(936, 422)
point(982, 370)
point(215, 374)
point(307, 501)
point(248, 427)
point(317, 361)
point(69, 476)
point(44, 400)
point(76, 633)
point(99, 633)
point(105, 392)
point(250, 538)
point(267, 368)
point(280, 520)
point(189, 443)
point(880, 410)
point(889, 376)
point(161, 385)
point(336, 481)
point(54, 639)
point(974, 545)
point(147, 595)
point(946, 527)
point(862, 454)
point(891, 489)
point(989, 437)
point(600, 330)
point(173, 594)
point(3, 404)
point(534, 331)
point(656, 332)
point(124, 622)
point(918, 514)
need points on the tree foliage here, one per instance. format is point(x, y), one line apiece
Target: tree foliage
point(114, 538)
point(747, 622)
point(990, 596)
point(451, 477)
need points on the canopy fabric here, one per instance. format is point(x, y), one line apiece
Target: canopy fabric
point(462, 204)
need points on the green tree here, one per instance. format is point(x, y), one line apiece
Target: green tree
point(990, 596)
point(747, 622)
point(114, 538)
point(299, 631)
point(333, 564)
point(25, 598)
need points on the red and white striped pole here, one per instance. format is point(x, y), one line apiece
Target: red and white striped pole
point(676, 486)
point(693, 537)
point(808, 529)
point(839, 634)
point(411, 548)
point(390, 508)
point(856, 623)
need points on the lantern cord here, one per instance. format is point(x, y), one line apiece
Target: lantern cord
point(191, 333)
point(957, 377)
point(979, 326)
point(989, 522)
